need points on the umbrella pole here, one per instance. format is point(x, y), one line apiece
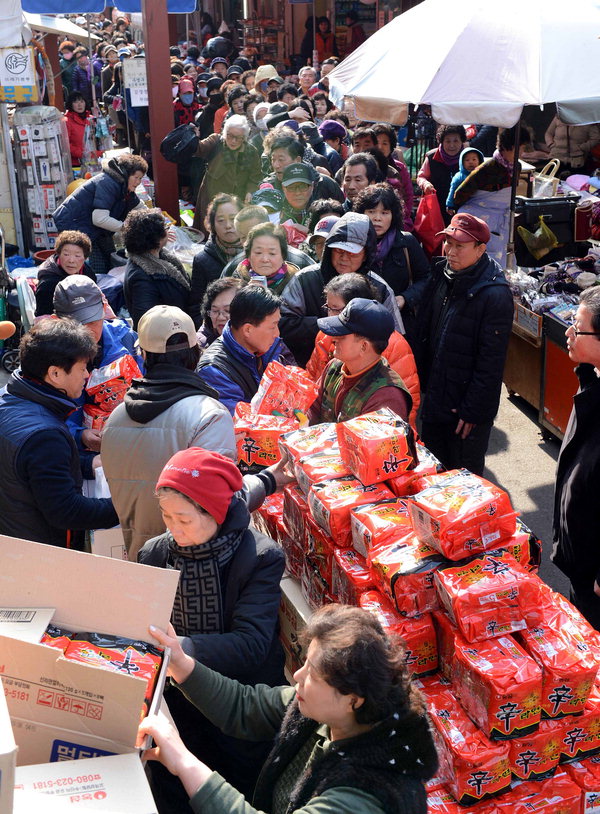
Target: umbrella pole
point(511, 260)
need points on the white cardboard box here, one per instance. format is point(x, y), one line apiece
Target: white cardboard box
point(108, 784)
point(294, 613)
point(8, 758)
point(89, 593)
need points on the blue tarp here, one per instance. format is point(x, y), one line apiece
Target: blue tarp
point(96, 6)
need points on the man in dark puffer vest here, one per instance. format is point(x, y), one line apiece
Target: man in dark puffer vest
point(40, 492)
point(464, 327)
point(358, 380)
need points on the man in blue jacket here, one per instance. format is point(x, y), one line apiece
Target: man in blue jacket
point(465, 323)
point(79, 298)
point(235, 362)
point(40, 488)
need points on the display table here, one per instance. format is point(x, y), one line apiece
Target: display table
point(539, 370)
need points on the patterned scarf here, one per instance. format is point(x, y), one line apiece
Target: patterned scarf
point(273, 280)
point(227, 250)
point(198, 606)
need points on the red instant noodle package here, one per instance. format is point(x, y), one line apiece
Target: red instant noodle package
point(309, 440)
point(55, 636)
point(462, 514)
point(378, 524)
point(257, 438)
point(440, 801)
point(295, 511)
point(409, 482)
point(568, 669)
point(320, 548)
point(499, 686)
point(350, 576)
point(446, 635)
point(322, 466)
point(586, 775)
point(405, 572)
point(489, 596)
point(293, 549)
point(471, 765)
point(536, 756)
point(284, 389)
point(120, 655)
point(376, 446)
point(331, 502)
point(314, 588)
point(264, 519)
point(581, 734)
point(525, 547)
point(108, 384)
point(557, 795)
point(558, 613)
point(418, 635)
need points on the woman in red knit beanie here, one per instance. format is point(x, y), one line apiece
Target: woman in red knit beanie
point(226, 607)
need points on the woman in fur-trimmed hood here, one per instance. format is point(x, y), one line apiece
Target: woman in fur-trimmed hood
point(154, 276)
point(353, 735)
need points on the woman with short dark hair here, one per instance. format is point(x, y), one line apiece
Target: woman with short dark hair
point(266, 249)
point(399, 260)
point(441, 164)
point(153, 276)
point(352, 735)
point(215, 309)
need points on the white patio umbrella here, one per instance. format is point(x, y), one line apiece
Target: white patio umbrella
point(476, 61)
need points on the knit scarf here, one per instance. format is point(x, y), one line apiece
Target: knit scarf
point(384, 244)
point(166, 263)
point(502, 161)
point(227, 250)
point(272, 280)
point(448, 160)
point(198, 605)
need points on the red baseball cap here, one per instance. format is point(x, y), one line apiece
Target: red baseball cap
point(465, 227)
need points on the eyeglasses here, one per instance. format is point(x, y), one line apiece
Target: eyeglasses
point(577, 332)
point(218, 312)
point(328, 310)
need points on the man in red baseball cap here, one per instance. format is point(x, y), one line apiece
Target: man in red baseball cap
point(465, 323)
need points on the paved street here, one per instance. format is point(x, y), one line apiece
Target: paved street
point(523, 463)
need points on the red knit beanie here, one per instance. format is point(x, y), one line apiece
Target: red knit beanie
point(208, 478)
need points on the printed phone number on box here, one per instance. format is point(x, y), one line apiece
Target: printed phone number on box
point(61, 782)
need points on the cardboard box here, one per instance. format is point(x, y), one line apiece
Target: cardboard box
point(109, 784)
point(89, 593)
point(109, 543)
point(294, 613)
point(8, 758)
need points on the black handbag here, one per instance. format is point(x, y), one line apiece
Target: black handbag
point(180, 145)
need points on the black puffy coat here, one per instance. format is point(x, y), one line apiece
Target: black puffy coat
point(461, 360)
point(576, 506)
point(208, 265)
point(143, 291)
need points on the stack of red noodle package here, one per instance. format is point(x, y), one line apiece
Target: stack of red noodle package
point(508, 668)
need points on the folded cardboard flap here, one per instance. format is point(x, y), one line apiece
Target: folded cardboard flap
point(88, 592)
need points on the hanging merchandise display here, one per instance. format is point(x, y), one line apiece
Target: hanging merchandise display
point(43, 169)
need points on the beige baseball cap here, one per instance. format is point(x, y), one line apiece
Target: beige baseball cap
point(162, 322)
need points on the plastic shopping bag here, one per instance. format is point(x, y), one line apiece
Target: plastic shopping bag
point(428, 222)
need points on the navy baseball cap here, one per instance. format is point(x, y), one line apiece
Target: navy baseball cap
point(367, 318)
point(271, 198)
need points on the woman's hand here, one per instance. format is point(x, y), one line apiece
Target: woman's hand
point(282, 473)
point(400, 301)
point(428, 189)
point(180, 665)
point(171, 752)
point(91, 439)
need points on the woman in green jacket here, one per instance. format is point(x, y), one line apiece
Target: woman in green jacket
point(351, 736)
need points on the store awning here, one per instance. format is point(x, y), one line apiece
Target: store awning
point(49, 24)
